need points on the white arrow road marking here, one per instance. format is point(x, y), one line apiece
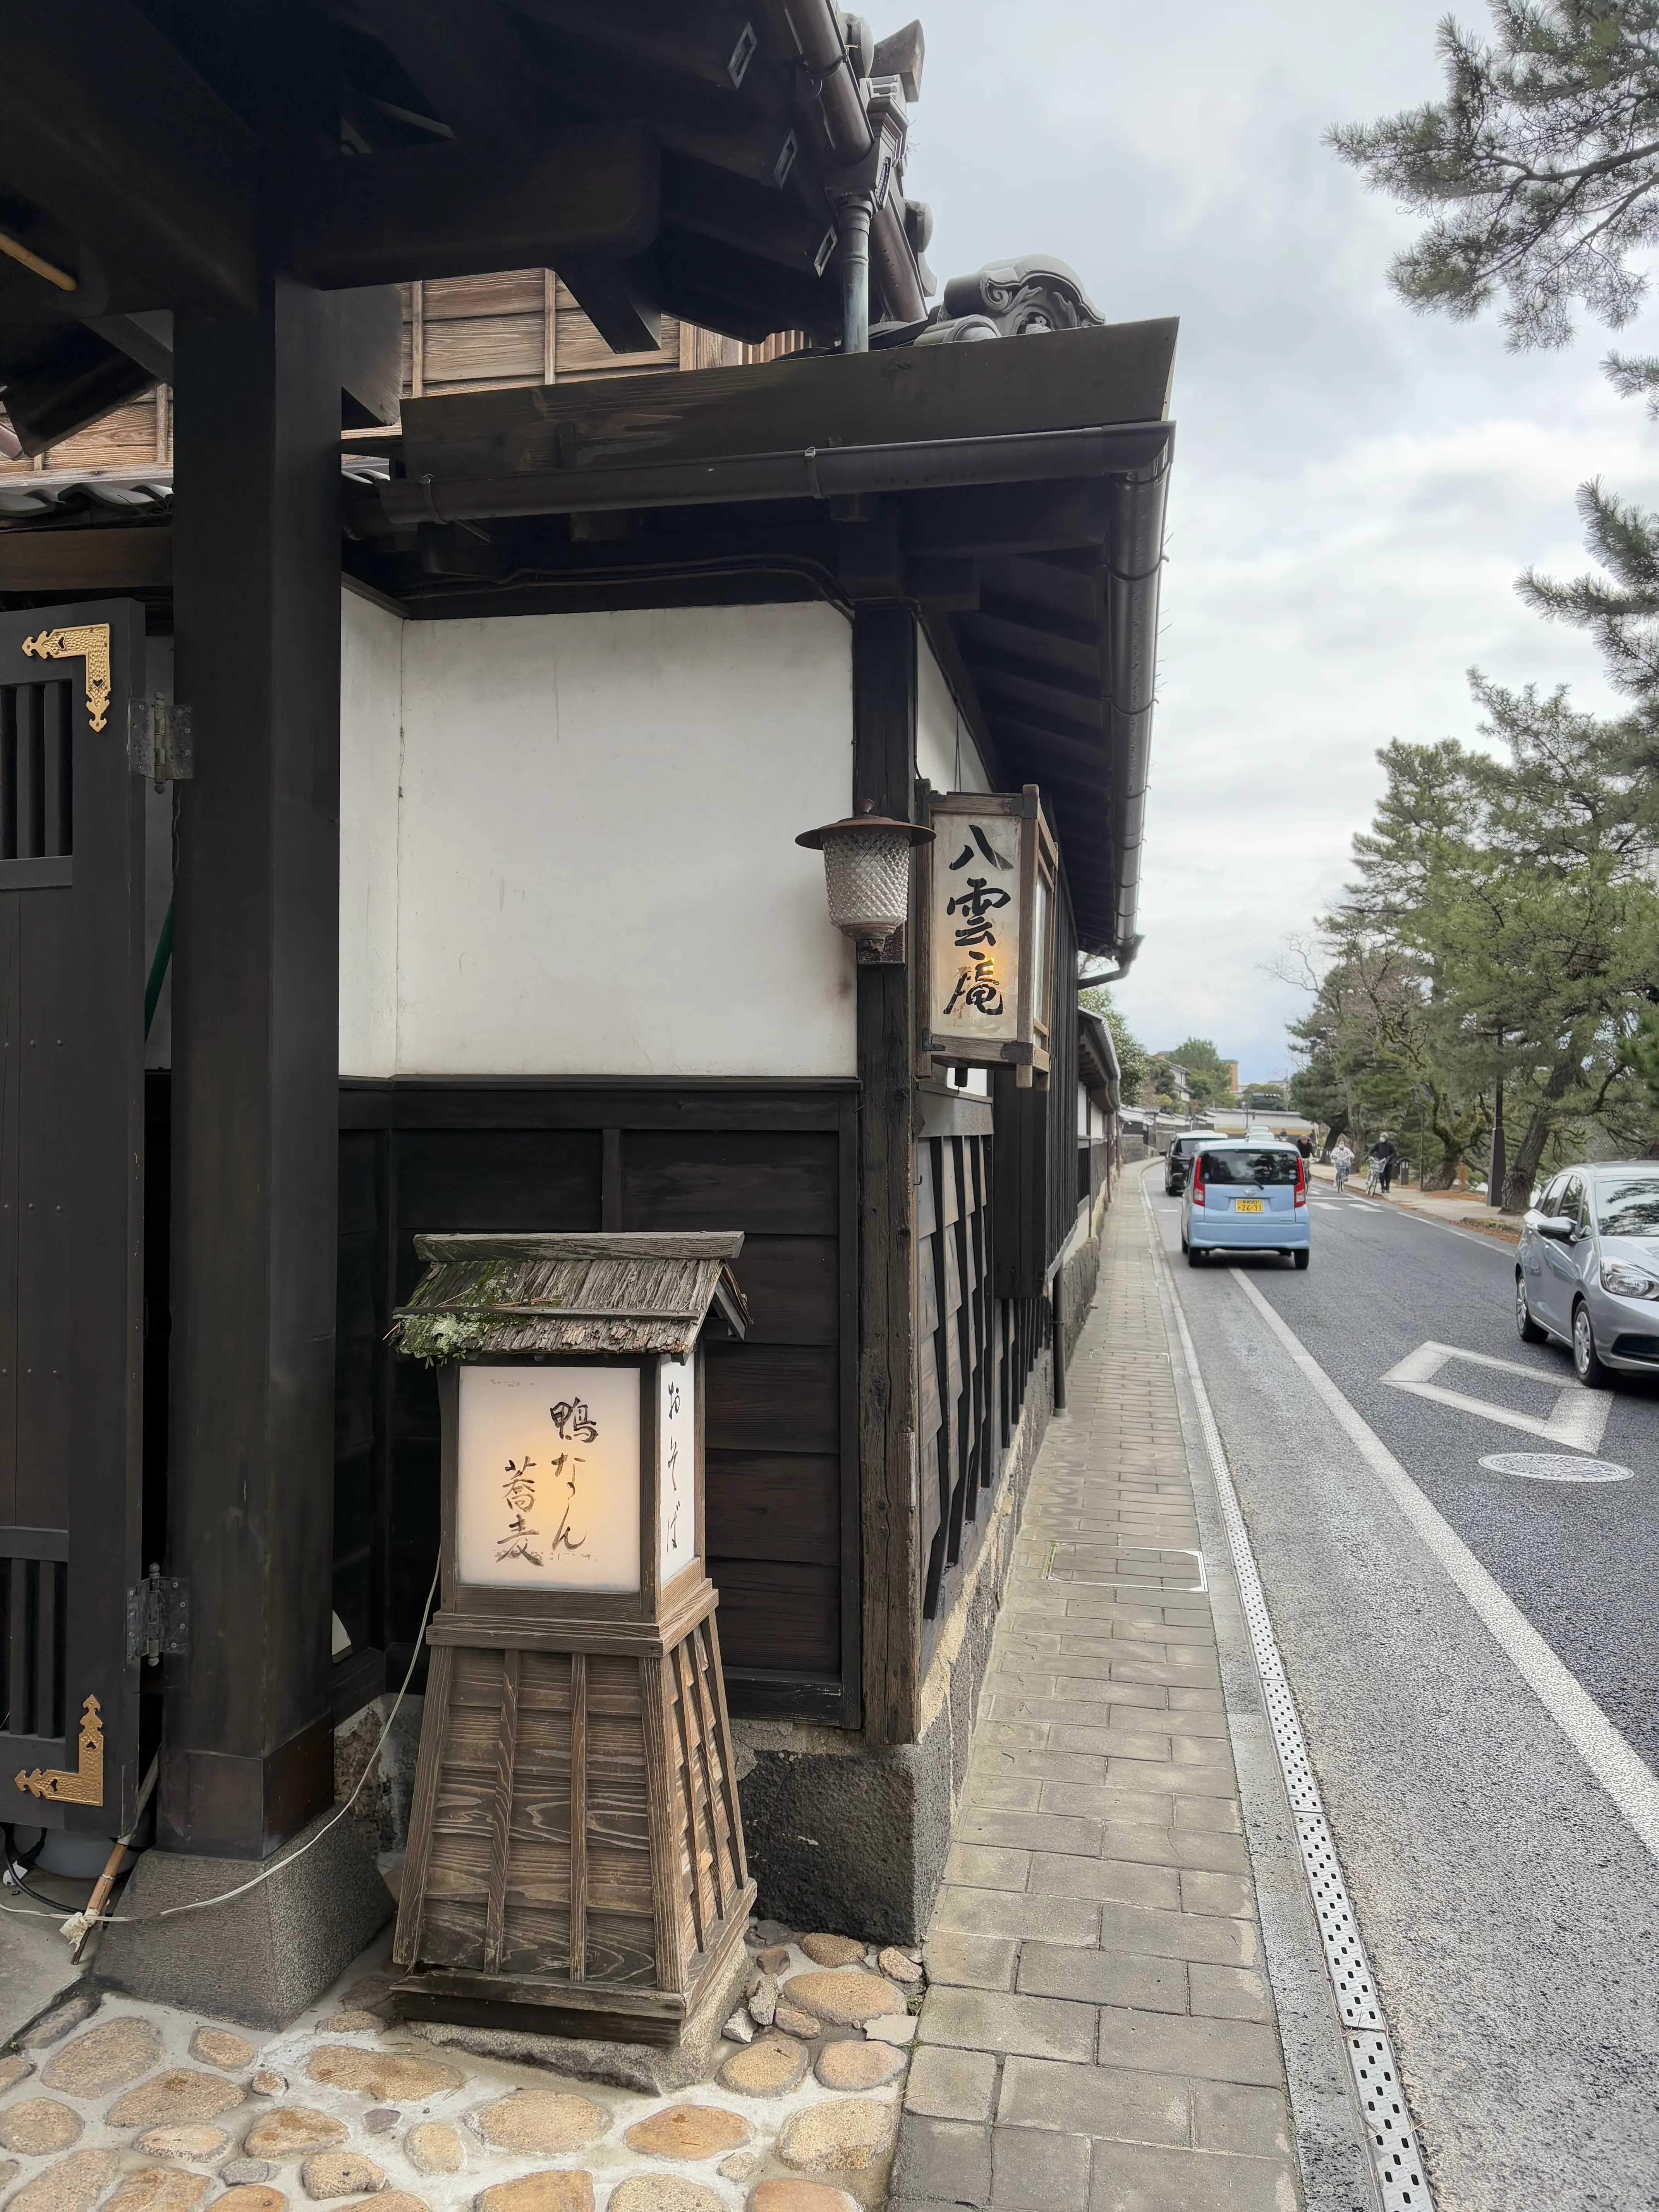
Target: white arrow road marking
point(1622, 1773)
point(1578, 1421)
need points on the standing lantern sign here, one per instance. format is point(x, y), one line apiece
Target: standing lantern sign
point(576, 1859)
point(989, 931)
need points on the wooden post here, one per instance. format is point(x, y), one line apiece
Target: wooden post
point(247, 1755)
point(883, 771)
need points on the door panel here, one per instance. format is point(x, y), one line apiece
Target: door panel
point(71, 1179)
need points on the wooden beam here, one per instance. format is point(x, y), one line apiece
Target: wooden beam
point(1035, 670)
point(371, 354)
point(619, 299)
point(137, 558)
point(70, 379)
point(1068, 379)
point(589, 192)
point(470, 62)
point(725, 132)
point(247, 1749)
point(985, 520)
point(714, 42)
point(104, 125)
point(735, 212)
point(884, 772)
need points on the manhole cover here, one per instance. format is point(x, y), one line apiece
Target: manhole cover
point(1553, 1467)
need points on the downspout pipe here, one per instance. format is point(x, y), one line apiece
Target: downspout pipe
point(1134, 562)
point(838, 96)
point(853, 213)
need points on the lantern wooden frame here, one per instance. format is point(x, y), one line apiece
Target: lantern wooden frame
point(1027, 1044)
point(575, 1861)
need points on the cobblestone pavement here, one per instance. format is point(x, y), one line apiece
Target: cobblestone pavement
point(1099, 2030)
point(138, 2108)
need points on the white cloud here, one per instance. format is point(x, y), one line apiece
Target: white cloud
point(1356, 487)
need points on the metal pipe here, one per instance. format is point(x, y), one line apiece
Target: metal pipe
point(853, 215)
point(1135, 563)
point(835, 81)
point(817, 472)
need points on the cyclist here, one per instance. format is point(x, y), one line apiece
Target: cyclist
point(1382, 1155)
point(1342, 1161)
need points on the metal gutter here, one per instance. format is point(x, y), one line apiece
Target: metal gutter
point(1139, 449)
point(1134, 549)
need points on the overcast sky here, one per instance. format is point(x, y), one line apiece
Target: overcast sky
point(1356, 487)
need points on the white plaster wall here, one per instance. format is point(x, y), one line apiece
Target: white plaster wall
point(370, 716)
point(593, 870)
point(946, 753)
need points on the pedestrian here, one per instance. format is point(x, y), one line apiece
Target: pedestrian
point(1384, 1154)
point(1342, 1161)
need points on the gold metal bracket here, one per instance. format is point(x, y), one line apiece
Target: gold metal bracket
point(86, 1786)
point(90, 642)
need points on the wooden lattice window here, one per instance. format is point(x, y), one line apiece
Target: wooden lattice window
point(37, 808)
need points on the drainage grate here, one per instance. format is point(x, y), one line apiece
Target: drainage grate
point(1394, 2152)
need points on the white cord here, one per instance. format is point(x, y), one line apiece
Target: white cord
point(78, 1923)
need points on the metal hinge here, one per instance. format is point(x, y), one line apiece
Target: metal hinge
point(160, 740)
point(158, 1618)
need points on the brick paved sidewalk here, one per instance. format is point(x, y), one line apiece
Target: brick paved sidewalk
point(1098, 2031)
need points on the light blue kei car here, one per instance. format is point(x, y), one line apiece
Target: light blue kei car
point(1246, 1194)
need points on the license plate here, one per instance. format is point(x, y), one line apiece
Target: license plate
point(1247, 1205)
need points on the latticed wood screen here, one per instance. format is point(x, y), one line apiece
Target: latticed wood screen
point(974, 1353)
point(957, 1340)
point(542, 1858)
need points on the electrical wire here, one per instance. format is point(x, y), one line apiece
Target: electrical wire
point(78, 1923)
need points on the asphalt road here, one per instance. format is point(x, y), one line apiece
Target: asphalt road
point(1510, 1911)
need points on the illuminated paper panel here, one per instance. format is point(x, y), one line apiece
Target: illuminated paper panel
point(677, 1467)
point(548, 1497)
point(975, 929)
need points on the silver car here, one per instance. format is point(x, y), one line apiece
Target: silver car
point(1587, 1268)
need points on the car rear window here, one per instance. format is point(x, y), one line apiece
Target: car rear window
point(1629, 1208)
point(1252, 1167)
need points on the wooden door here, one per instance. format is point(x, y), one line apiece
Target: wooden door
point(72, 1219)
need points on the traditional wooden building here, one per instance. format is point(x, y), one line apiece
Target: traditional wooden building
point(485, 904)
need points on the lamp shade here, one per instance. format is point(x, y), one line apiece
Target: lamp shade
point(866, 869)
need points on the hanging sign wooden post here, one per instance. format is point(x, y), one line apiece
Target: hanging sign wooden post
point(986, 969)
point(576, 1859)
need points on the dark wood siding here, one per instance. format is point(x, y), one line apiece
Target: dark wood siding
point(772, 1161)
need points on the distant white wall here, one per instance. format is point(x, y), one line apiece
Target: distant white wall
point(946, 753)
point(567, 844)
point(371, 739)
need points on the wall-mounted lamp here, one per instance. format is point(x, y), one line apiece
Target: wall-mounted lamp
point(866, 872)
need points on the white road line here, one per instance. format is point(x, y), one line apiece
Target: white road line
point(1625, 1777)
point(1579, 1421)
point(1390, 2138)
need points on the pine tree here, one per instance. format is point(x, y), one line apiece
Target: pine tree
point(1539, 169)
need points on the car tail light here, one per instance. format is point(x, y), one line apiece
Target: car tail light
point(1198, 1179)
point(1301, 1181)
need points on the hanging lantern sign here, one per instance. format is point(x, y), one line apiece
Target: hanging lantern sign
point(987, 964)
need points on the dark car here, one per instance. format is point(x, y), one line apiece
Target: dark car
point(1178, 1160)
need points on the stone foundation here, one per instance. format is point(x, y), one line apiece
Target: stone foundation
point(848, 1837)
point(259, 1959)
